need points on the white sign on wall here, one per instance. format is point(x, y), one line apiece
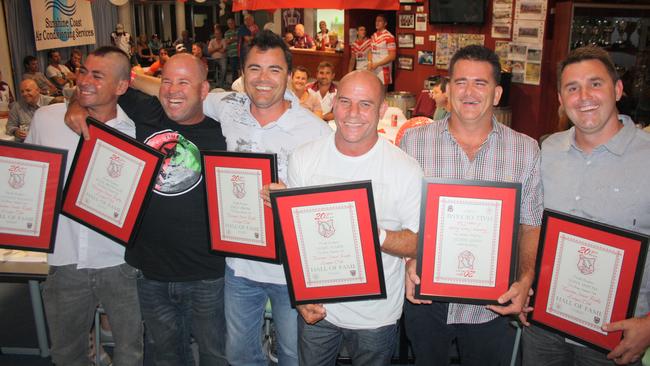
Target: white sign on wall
point(62, 23)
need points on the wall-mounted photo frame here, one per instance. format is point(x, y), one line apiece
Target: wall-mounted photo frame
point(406, 21)
point(425, 57)
point(405, 62)
point(406, 40)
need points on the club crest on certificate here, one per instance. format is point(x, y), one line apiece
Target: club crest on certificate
point(16, 176)
point(238, 186)
point(115, 165)
point(325, 222)
point(466, 264)
point(586, 261)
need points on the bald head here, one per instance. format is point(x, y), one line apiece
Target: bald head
point(183, 89)
point(30, 92)
point(367, 78)
point(300, 30)
point(358, 107)
point(189, 61)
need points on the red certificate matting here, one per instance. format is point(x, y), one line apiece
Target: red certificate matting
point(467, 249)
point(588, 274)
point(30, 195)
point(331, 246)
point(240, 224)
point(110, 182)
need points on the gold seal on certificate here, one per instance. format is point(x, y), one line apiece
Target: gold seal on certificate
point(22, 195)
point(109, 183)
point(468, 232)
point(583, 287)
point(241, 210)
point(329, 244)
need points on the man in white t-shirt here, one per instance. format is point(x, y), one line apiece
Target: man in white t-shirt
point(368, 329)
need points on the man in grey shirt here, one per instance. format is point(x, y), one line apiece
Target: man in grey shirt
point(21, 113)
point(596, 170)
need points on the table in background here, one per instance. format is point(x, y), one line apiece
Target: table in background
point(32, 273)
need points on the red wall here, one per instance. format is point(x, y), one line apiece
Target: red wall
point(525, 100)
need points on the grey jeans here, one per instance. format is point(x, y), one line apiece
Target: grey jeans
point(544, 348)
point(71, 295)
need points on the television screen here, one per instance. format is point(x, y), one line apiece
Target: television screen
point(457, 12)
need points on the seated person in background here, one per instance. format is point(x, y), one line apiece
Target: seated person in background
point(143, 52)
point(288, 39)
point(359, 51)
point(439, 95)
point(74, 63)
point(303, 40)
point(299, 87)
point(156, 68)
point(154, 44)
point(322, 37)
point(21, 113)
point(32, 72)
point(325, 89)
point(334, 42)
point(197, 51)
point(58, 74)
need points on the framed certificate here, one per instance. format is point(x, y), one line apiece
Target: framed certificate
point(467, 250)
point(110, 182)
point(31, 182)
point(331, 246)
point(588, 274)
point(240, 224)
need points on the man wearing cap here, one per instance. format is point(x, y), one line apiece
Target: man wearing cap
point(122, 39)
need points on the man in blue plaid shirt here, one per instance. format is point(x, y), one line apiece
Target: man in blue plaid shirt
point(471, 144)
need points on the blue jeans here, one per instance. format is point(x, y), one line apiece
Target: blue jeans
point(70, 298)
point(426, 326)
point(319, 344)
point(541, 347)
point(245, 301)
point(174, 311)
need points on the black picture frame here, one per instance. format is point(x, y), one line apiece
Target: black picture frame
point(267, 165)
point(635, 248)
point(286, 205)
point(52, 194)
point(437, 192)
point(152, 161)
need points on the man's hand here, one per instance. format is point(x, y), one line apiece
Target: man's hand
point(265, 193)
point(411, 280)
point(636, 338)
point(517, 294)
point(312, 313)
point(20, 134)
point(75, 119)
